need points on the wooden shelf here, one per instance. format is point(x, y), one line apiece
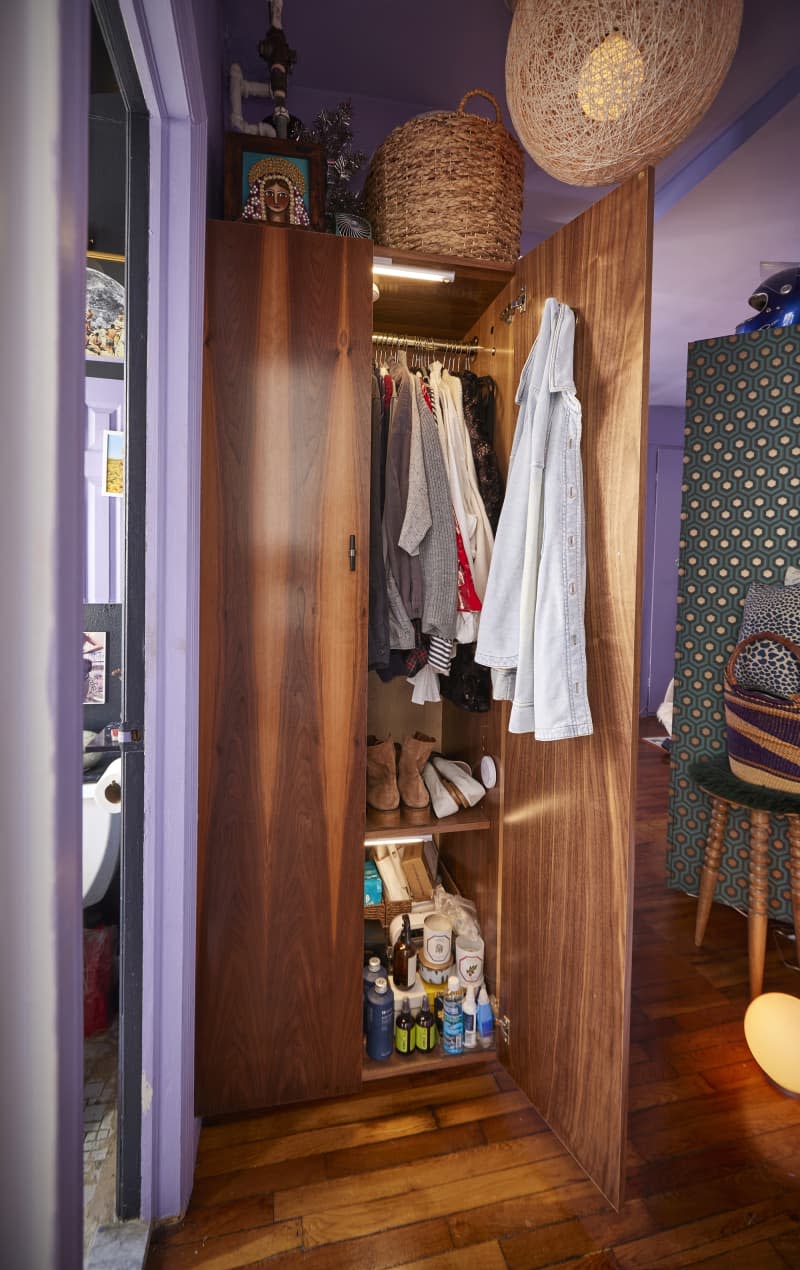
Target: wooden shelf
point(445, 310)
point(402, 824)
point(402, 1065)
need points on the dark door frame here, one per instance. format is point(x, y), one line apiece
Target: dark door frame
point(137, 198)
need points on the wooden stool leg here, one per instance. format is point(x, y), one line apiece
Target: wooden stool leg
point(711, 859)
point(757, 899)
point(794, 868)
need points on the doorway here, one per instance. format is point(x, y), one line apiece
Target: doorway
point(113, 619)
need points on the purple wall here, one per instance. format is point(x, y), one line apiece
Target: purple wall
point(662, 532)
point(208, 31)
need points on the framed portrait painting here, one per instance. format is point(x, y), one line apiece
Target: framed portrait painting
point(274, 182)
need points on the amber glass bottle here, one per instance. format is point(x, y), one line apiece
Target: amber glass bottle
point(404, 958)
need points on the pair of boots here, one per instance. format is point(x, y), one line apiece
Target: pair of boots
point(394, 772)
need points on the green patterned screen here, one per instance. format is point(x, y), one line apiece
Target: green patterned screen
point(740, 523)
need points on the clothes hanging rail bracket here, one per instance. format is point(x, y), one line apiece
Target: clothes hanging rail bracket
point(429, 343)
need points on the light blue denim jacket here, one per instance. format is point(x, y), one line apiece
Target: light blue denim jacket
point(532, 631)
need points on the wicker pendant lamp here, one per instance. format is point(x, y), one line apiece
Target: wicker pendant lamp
point(597, 89)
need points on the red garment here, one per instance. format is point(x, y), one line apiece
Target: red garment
point(468, 598)
point(388, 389)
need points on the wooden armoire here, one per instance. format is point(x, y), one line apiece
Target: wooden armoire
point(547, 856)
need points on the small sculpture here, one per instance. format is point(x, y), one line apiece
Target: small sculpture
point(277, 187)
point(776, 301)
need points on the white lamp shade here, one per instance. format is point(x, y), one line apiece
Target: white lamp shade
point(772, 1032)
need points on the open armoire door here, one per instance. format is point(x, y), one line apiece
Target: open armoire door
point(564, 811)
point(285, 488)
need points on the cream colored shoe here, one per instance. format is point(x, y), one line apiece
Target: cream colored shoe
point(443, 803)
point(459, 774)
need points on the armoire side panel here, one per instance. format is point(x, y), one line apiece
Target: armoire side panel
point(567, 839)
point(285, 482)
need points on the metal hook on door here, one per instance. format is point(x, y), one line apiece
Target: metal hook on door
point(516, 306)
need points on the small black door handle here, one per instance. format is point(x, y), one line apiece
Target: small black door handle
point(352, 553)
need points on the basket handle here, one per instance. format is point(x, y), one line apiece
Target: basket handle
point(751, 639)
point(481, 92)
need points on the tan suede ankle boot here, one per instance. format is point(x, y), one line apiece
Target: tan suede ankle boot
point(414, 754)
point(382, 792)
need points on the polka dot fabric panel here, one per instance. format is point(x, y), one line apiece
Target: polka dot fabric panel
point(740, 524)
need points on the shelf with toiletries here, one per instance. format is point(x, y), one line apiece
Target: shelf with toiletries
point(414, 1064)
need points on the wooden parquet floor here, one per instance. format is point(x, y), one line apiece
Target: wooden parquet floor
point(457, 1170)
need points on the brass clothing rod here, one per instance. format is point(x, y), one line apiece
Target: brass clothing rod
point(431, 344)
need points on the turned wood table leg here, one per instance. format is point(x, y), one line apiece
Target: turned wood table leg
point(757, 900)
point(711, 861)
point(794, 870)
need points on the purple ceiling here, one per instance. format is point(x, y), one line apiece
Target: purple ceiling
point(396, 61)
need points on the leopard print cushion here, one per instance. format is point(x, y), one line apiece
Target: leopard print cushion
point(766, 666)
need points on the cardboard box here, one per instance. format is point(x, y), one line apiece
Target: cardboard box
point(416, 871)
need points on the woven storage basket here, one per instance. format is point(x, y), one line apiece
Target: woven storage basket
point(448, 183)
point(763, 731)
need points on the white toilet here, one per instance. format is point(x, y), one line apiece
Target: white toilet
point(101, 839)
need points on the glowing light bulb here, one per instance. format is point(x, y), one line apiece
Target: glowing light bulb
point(611, 78)
point(772, 1032)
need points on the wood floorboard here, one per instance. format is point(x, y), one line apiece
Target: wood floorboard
point(441, 1169)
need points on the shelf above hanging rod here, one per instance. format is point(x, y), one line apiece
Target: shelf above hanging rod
point(422, 342)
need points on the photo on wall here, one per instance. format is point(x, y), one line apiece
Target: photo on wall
point(113, 464)
point(94, 668)
point(105, 309)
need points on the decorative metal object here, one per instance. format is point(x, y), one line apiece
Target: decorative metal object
point(348, 225)
point(598, 89)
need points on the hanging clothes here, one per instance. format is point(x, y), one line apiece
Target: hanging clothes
point(478, 404)
point(378, 624)
point(438, 547)
point(473, 522)
point(532, 628)
point(405, 569)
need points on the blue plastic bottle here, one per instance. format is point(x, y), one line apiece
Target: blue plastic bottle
point(453, 1023)
point(380, 1020)
point(484, 1020)
point(372, 971)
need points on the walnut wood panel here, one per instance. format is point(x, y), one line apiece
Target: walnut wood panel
point(568, 810)
point(446, 310)
point(283, 622)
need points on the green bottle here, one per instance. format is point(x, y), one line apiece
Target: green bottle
point(404, 1030)
point(426, 1030)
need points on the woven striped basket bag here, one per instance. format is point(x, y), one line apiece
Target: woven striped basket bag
point(763, 731)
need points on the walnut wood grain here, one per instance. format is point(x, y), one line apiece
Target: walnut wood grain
point(447, 310)
point(282, 718)
point(568, 815)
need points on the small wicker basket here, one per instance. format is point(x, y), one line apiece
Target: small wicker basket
point(448, 183)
